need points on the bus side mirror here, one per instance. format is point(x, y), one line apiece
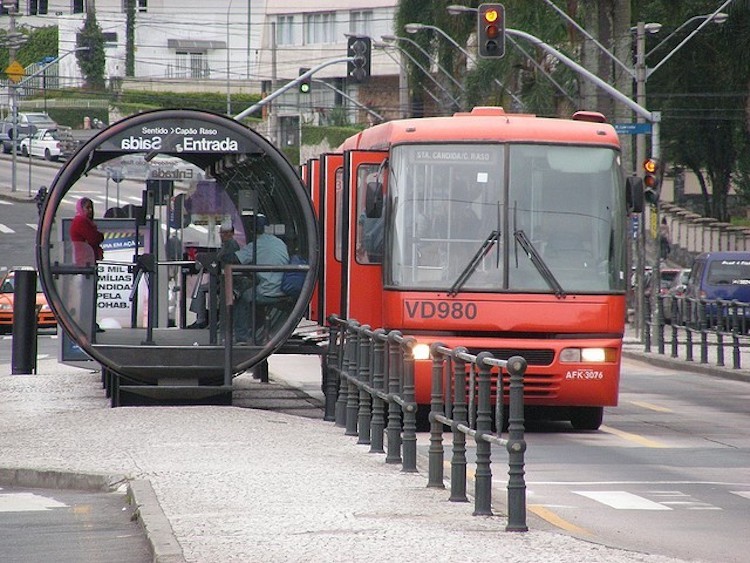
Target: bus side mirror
point(374, 200)
point(634, 193)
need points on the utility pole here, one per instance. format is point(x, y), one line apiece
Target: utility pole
point(640, 156)
point(15, 40)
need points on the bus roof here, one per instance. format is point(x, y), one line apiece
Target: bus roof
point(487, 124)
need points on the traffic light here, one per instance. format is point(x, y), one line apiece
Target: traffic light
point(305, 85)
point(360, 49)
point(491, 30)
point(652, 174)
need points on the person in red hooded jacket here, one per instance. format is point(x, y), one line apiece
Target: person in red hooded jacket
point(87, 249)
point(85, 235)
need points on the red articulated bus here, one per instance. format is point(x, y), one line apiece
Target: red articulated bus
point(489, 230)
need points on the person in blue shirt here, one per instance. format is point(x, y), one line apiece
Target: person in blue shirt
point(262, 249)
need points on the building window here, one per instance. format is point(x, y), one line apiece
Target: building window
point(285, 30)
point(360, 23)
point(37, 7)
point(319, 28)
point(140, 5)
point(191, 65)
point(79, 6)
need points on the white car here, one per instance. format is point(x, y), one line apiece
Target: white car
point(44, 143)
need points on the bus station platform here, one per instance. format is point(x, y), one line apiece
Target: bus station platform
point(224, 484)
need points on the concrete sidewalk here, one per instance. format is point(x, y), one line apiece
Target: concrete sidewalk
point(224, 484)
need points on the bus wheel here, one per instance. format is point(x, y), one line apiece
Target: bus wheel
point(586, 418)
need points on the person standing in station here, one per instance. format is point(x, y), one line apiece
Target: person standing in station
point(85, 235)
point(87, 250)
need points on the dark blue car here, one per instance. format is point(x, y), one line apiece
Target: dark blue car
point(718, 276)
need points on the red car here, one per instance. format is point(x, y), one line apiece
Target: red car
point(45, 318)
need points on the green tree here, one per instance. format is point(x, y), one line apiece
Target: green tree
point(92, 60)
point(130, 39)
point(702, 92)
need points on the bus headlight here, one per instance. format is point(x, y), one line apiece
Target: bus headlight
point(587, 355)
point(421, 352)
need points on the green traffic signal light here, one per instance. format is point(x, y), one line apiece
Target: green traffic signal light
point(305, 84)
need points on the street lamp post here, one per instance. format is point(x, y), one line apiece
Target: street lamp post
point(642, 74)
point(403, 79)
point(229, 92)
point(433, 60)
point(427, 73)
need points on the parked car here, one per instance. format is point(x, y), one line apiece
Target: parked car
point(27, 123)
point(6, 136)
point(666, 276)
point(714, 276)
point(674, 292)
point(45, 318)
point(44, 143)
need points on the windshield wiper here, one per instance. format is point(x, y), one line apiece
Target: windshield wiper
point(471, 267)
point(539, 263)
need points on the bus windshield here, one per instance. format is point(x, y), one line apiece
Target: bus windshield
point(558, 211)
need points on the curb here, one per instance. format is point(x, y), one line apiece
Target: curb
point(162, 541)
point(659, 360)
point(51, 479)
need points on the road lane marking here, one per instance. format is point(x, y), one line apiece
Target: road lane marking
point(549, 516)
point(5, 229)
point(34, 226)
point(3, 202)
point(744, 494)
point(650, 406)
point(622, 500)
point(27, 502)
point(632, 437)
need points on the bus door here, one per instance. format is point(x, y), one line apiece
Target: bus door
point(365, 182)
point(311, 177)
point(328, 206)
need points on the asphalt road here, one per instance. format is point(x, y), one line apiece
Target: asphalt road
point(69, 527)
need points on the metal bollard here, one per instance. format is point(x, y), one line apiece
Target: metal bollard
point(24, 323)
point(393, 430)
point(377, 425)
point(516, 448)
point(364, 414)
point(437, 407)
point(483, 474)
point(460, 416)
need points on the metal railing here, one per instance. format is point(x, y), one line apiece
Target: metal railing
point(713, 326)
point(369, 384)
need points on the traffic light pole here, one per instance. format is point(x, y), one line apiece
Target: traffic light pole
point(272, 96)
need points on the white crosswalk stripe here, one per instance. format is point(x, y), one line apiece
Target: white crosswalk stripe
point(3, 202)
point(660, 500)
point(6, 229)
point(27, 502)
point(622, 500)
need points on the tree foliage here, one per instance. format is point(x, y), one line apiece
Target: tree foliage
point(92, 61)
point(40, 43)
point(702, 92)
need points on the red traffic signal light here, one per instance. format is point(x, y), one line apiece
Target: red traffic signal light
point(491, 30)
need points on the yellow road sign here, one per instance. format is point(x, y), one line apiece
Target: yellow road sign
point(15, 71)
